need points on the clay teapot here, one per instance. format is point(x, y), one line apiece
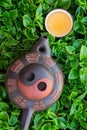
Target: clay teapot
point(34, 81)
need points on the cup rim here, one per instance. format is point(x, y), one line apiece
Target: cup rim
point(59, 10)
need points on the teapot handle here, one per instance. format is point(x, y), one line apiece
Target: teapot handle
point(42, 47)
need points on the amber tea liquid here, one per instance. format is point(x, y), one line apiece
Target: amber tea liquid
point(58, 22)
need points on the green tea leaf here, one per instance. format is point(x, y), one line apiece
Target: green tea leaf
point(73, 125)
point(46, 126)
point(73, 95)
point(2, 92)
point(76, 25)
point(6, 19)
point(40, 25)
point(77, 43)
point(31, 36)
point(73, 109)
point(83, 63)
point(4, 116)
point(52, 115)
point(39, 11)
point(1, 124)
point(38, 121)
point(82, 29)
point(13, 120)
point(27, 21)
point(74, 63)
point(16, 112)
point(2, 77)
point(70, 49)
point(61, 123)
point(84, 20)
point(65, 4)
point(82, 96)
point(55, 107)
point(3, 106)
point(83, 75)
point(83, 123)
point(32, 6)
point(13, 14)
point(5, 3)
point(83, 53)
point(73, 74)
point(80, 2)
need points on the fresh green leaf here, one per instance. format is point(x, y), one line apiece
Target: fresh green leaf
point(70, 49)
point(83, 63)
point(39, 11)
point(84, 20)
point(83, 53)
point(27, 21)
point(82, 29)
point(65, 4)
point(2, 77)
point(4, 116)
point(82, 96)
point(30, 35)
point(32, 6)
point(1, 124)
point(52, 115)
point(6, 19)
point(73, 125)
point(74, 63)
point(16, 112)
point(77, 43)
point(2, 92)
point(83, 123)
point(3, 106)
point(61, 123)
point(83, 75)
point(46, 126)
point(38, 121)
point(73, 74)
point(73, 95)
point(55, 107)
point(13, 120)
point(73, 109)
point(76, 25)
point(13, 14)
point(5, 3)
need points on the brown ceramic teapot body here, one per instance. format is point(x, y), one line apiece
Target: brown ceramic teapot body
point(34, 81)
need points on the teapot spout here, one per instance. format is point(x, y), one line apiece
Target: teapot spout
point(42, 46)
point(43, 40)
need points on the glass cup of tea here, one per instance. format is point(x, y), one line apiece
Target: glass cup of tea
point(59, 22)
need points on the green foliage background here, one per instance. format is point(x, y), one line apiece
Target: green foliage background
point(21, 25)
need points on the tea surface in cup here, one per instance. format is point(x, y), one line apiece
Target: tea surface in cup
point(59, 22)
